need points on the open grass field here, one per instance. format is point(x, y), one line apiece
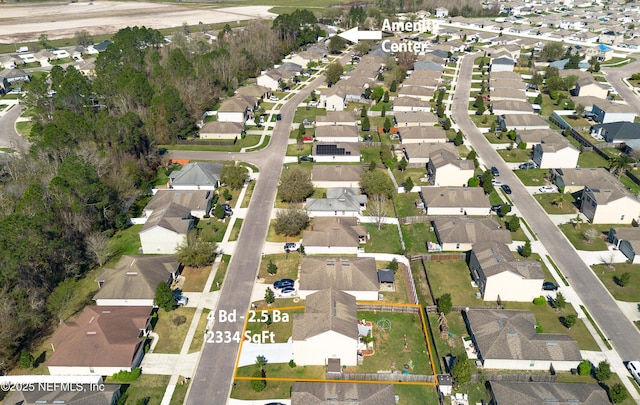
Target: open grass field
point(515, 155)
point(607, 274)
point(532, 177)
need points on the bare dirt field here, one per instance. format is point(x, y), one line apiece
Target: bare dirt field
point(22, 23)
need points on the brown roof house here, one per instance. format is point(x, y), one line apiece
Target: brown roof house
point(508, 340)
point(328, 329)
point(454, 201)
point(134, 279)
point(334, 235)
point(535, 393)
point(198, 201)
point(405, 119)
point(445, 169)
point(165, 229)
point(460, 233)
point(502, 277)
point(319, 393)
point(325, 176)
point(433, 134)
point(101, 341)
point(354, 275)
point(68, 394)
point(222, 130)
point(418, 154)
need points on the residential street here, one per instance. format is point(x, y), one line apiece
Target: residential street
point(9, 138)
point(615, 76)
point(623, 335)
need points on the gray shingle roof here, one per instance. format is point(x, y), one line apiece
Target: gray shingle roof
point(313, 393)
point(511, 335)
point(327, 310)
point(192, 199)
point(426, 133)
point(43, 394)
point(469, 230)
point(334, 231)
point(336, 173)
point(344, 274)
point(336, 131)
point(173, 217)
point(197, 174)
point(338, 199)
point(455, 197)
point(495, 258)
point(527, 393)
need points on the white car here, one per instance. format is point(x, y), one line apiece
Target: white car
point(274, 98)
point(287, 292)
point(313, 103)
point(496, 183)
point(547, 189)
point(634, 369)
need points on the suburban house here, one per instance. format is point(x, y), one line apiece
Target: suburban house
point(421, 93)
point(609, 203)
point(222, 130)
point(606, 112)
point(508, 340)
point(134, 279)
point(503, 107)
point(574, 180)
point(503, 64)
point(532, 137)
point(441, 12)
point(196, 176)
point(15, 76)
point(339, 201)
point(460, 233)
point(422, 134)
point(502, 277)
point(555, 151)
point(588, 86)
point(455, 201)
point(601, 52)
point(101, 341)
point(270, 79)
point(332, 98)
point(508, 94)
point(410, 104)
point(334, 235)
point(339, 152)
point(617, 132)
point(328, 329)
point(337, 133)
point(255, 91)
point(238, 109)
point(427, 65)
point(418, 154)
point(317, 393)
point(506, 393)
point(357, 276)
point(60, 393)
point(9, 62)
point(414, 119)
point(626, 240)
point(521, 122)
point(165, 229)
point(323, 176)
point(446, 169)
point(346, 118)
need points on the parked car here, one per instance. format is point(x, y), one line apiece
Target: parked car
point(506, 188)
point(182, 300)
point(495, 171)
point(305, 158)
point(278, 117)
point(313, 103)
point(283, 283)
point(227, 210)
point(496, 207)
point(527, 165)
point(496, 183)
point(634, 369)
point(291, 247)
point(273, 98)
point(549, 286)
point(547, 189)
point(288, 292)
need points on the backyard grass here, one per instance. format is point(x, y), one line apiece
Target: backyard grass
point(309, 113)
point(220, 273)
point(235, 231)
point(198, 338)
point(282, 330)
point(532, 177)
point(576, 235)
point(630, 184)
point(406, 205)
point(212, 229)
point(287, 266)
point(195, 278)
point(125, 242)
point(172, 336)
point(146, 386)
point(370, 154)
point(385, 240)
point(414, 173)
point(275, 389)
point(515, 155)
point(282, 370)
point(591, 159)
point(552, 204)
point(247, 195)
point(294, 150)
point(630, 292)
point(549, 320)
point(453, 277)
point(400, 295)
point(390, 350)
point(416, 235)
point(407, 394)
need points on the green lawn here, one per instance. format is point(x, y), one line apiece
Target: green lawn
point(414, 173)
point(591, 159)
point(146, 386)
point(385, 240)
point(407, 394)
point(309, 113)
point(483, 121)
point(497, 137)
point(517, 235)
point(406, 204)
point(630, 184)
point(212, 229)
point(198, 338)
point(416, 235)
point(576, 235)
point(281, 330)
point(287, 266)
point(222, 271)
point(275, 389)
point(631, 291)
point(172, 336)
point(515, 155)
point(453, 277)
point(391, 352)
point(370, 154)
point(195, 278)
point(556, 203)
point(235, 231)
point(294, 150)
point(247, 195)
point(532, 177)
point(126, 242)
point(282, 370)
point(24, 128)
point(247, 142)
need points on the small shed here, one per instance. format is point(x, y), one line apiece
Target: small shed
point(386, 276)
point(445, 383)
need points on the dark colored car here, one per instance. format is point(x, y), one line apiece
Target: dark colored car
point(527, 165)
point(506, 188)
point(496, 207)
point(279, 117)
point(305, 158)
point(549, 286)
point(283, 283)
point(495, 171)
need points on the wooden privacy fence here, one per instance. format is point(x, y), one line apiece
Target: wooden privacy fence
point(440, 257)
point(389, 308)
point(515, 377)
point(391, 377)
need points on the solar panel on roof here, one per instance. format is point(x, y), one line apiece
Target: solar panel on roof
point(330, 150)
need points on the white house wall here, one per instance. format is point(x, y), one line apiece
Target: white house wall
point(268, 82)
point(329, 184)
point(329, 250)
point(360, 295)
point(338, 159)
point(511, 287)
point(621, 211)
point(231, 116)
point(566, 158)
point(450, 175)
point(316, 350)
point(458, 211)
point(542, 365)
point(314, 214)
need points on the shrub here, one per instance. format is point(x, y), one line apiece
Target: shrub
point(271, 267)
point(623, 279)
point(124, 375)
point(540, 301)
point(258, 384)
point(393, 265)
point(444, 303)
point(292, 364)
point(617, 393)
point(569, 321)
point(584, 368)
point(26, 359)
point(603, 371)
point(526, 249)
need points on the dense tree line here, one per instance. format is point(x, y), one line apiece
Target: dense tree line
point(94, 151)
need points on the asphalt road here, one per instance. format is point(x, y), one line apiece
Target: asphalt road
point(9, 138)
point(615, 76)
point(624, 336)
point(212, 381)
